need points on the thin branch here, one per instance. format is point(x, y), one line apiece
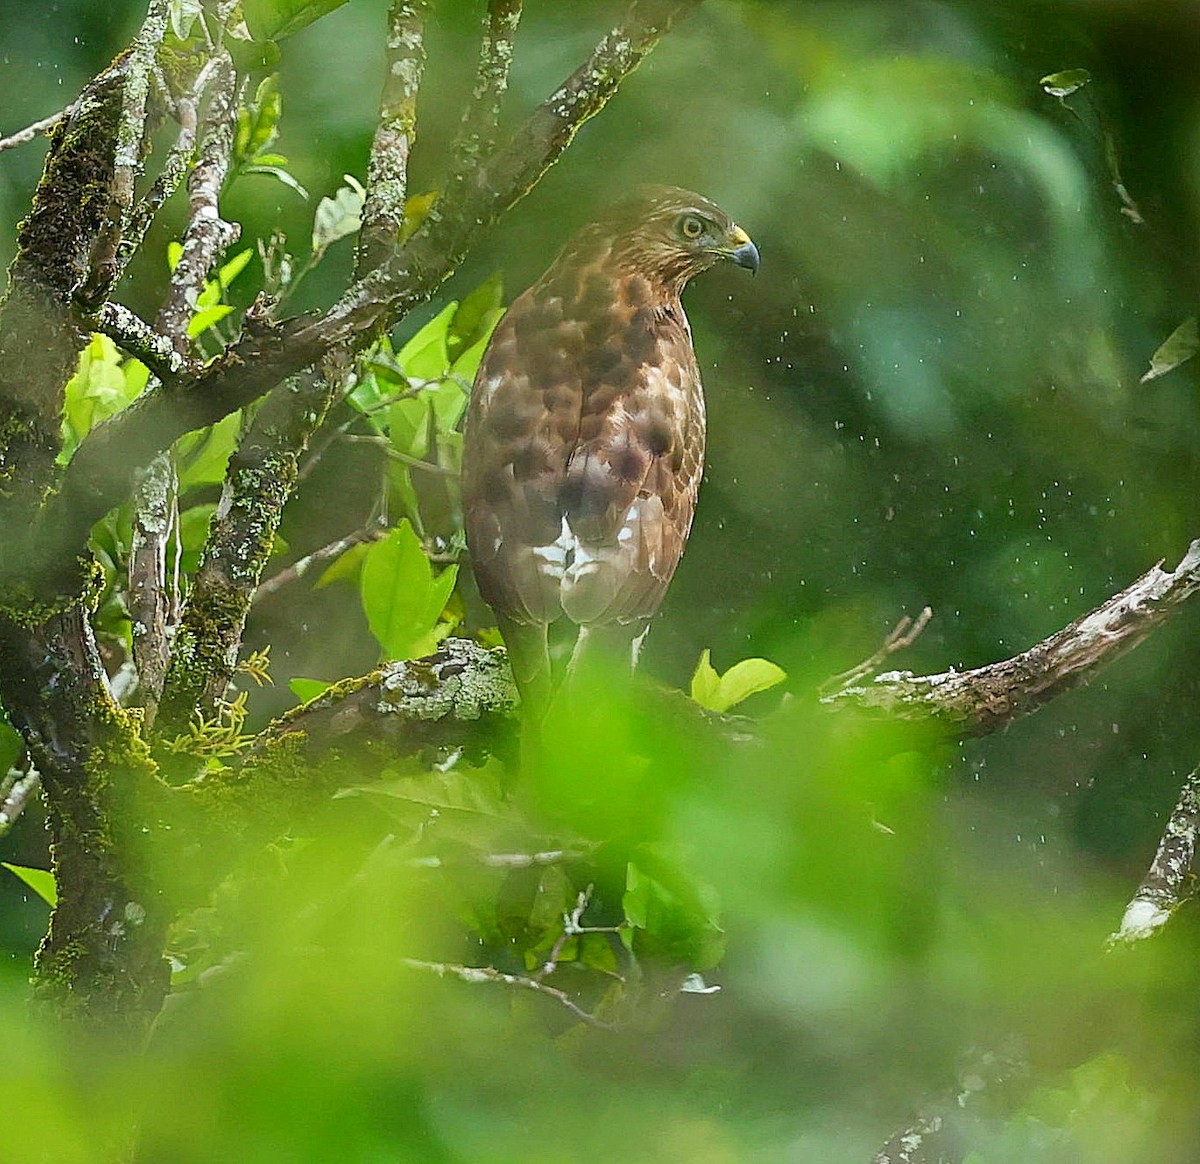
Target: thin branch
point(573, 927)
point(326, 553)
point(974, 703)
point(31, 131)
point(477, 975)
point(157, 350)
point(207, 233)
point(900, 637)
point(387, 167)
point(1168, 882)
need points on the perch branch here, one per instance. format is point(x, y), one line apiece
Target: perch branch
point(1168, 882)
point(974, 703)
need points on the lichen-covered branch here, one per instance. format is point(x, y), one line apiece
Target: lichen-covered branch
point(387, 167)
point(976, 702)
point(460, 699)
point(207, 233)
point(131, 143)
point(1168, 882)
point(260, 479)
point(477, 134)
point(205, 237)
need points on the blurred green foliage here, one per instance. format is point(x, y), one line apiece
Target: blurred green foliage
point(929, 395)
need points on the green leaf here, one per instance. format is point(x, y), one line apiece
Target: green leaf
point(41, 881)
point(1063, 84)
point(279, 173)
point(706, 683)
point(476, 315)
point(448, 401)
point(721, 692)
point(258, 122)
point(467, 364)
point(1179, 347)
point(99, 389)
point(207, 317)
point(402, 599)
point(408, 426)
point(306, 689)
point(204, 456)
point(464, 806)
point(425, 356)
point(276, 19)
point(183, 16)
point(339, 216)
point(230, 270)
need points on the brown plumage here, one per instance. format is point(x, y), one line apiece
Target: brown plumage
point(585, 434)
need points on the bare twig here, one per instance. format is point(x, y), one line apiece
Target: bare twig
point(1168, 882)
point(900, 637)
point(573, 927)
point(511, 860)
point(326, 553)
point(477, 975)
point(31, 131)
point(974, 703)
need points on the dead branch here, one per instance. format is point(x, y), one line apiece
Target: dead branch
point(976, 702)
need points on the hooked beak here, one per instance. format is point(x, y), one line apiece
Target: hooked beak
point(742, 251)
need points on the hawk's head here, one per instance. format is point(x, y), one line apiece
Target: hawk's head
point(669, 235)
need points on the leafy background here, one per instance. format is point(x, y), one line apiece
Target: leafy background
point(929, 395)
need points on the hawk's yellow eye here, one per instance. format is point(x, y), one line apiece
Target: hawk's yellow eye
point(690, 226)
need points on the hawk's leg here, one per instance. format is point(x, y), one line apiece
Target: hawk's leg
point(529, 658)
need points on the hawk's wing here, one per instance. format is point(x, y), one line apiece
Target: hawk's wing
point(585, 444)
